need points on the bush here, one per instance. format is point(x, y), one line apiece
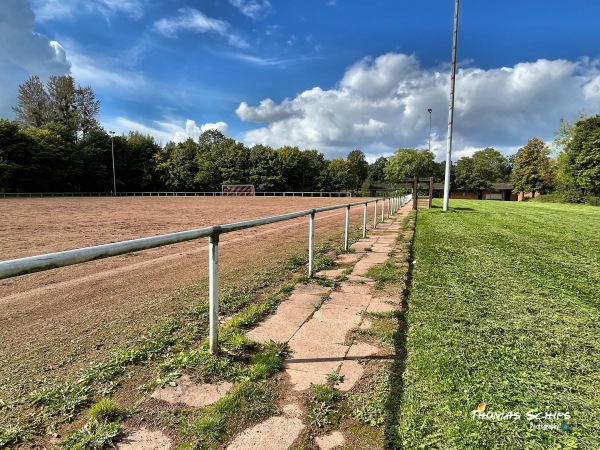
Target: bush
point(592, 200)
point(573, 196)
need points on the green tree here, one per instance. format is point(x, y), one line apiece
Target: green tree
point(177, 165)
point(481, 169)
point(137, 172)
point(376, 172)
point(68, 109)
point(224, 163)
point(360, 167)
point(15, 154)
point(313, 167)
point(533, 170)
point(341, 175)
point(263, 171)
point(409, 163)
point(579, 162)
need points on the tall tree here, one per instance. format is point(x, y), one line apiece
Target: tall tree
point(481, 169)
point(408, 163)
point(360, 167)
point(34, 108)
point(341, 175)
point(71, 110)
point(262, 169)
point(580, 159)
point(533, 170)
point(376, 170)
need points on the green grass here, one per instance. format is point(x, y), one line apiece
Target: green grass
point(503, 309)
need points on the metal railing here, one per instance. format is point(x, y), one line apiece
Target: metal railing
point(21, 266)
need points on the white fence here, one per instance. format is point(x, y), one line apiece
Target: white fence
point(175, 194)
point(16, 267)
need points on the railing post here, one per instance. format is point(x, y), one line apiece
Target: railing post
point(213, 290)
point(365, 221)
point(389, 212)
point(383, 209)
point(311, 243)
point(375, 216)
point(346, 229)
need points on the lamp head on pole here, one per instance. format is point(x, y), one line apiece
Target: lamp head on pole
point(429, 110)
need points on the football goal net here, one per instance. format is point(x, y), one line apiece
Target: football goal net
point(237, 189)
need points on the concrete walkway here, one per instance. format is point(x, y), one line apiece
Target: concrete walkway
point(315, 321)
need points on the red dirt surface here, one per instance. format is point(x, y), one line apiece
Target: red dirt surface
point(53, 322)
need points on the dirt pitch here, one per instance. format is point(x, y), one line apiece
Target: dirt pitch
point(55, 322)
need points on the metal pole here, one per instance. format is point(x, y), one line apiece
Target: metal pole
point(451, 110)
point(213, 291)
point(365, 222)
point(429, 111)
point(112, 150)
point(311, 244)
point(347, 228)
point(375, 215)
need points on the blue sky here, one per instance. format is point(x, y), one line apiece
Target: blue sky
point(331, 75)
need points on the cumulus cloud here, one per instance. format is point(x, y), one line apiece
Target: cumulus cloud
point(194, 131)
point(267, 111)
point(192, 20)
point(24, 52)
point(165, 131)
point(381, 104)
point(252, 8)
point(46, 10)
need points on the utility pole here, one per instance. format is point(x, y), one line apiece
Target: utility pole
point(451, 110)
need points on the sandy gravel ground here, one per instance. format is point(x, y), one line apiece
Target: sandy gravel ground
point(53, 322)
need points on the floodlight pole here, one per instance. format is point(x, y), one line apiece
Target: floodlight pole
point(112, 150)
point(429, 111)
point(451, 109)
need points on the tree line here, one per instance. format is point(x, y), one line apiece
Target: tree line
point(56, 144)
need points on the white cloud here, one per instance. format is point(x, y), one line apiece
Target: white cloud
point(194, 131)
point(252, 8)
point(380, 105)
point(192, 20)
point(267, 111)
point(24, 52)
point(165, 131)
point(103, 72)
point(46, 10)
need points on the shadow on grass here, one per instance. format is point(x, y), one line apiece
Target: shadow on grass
point(393, 404)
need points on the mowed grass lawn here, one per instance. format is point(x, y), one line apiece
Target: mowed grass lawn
point(504, 310)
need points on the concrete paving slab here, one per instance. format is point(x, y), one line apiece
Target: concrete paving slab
point(191, 393)
point(317, 329)
point(330, 441)
point(347, 258)
point(347, 299)
point(309, 288)
point(301, 380)
point(355, 288)
point(361, 350)
point(144, 439)
point(276, 433)
point(330, 274)
point(352, 370)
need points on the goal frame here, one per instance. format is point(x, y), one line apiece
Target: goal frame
point(244, 190)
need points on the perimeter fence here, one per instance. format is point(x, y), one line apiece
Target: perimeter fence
point(21, 266)
point(175, 194)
